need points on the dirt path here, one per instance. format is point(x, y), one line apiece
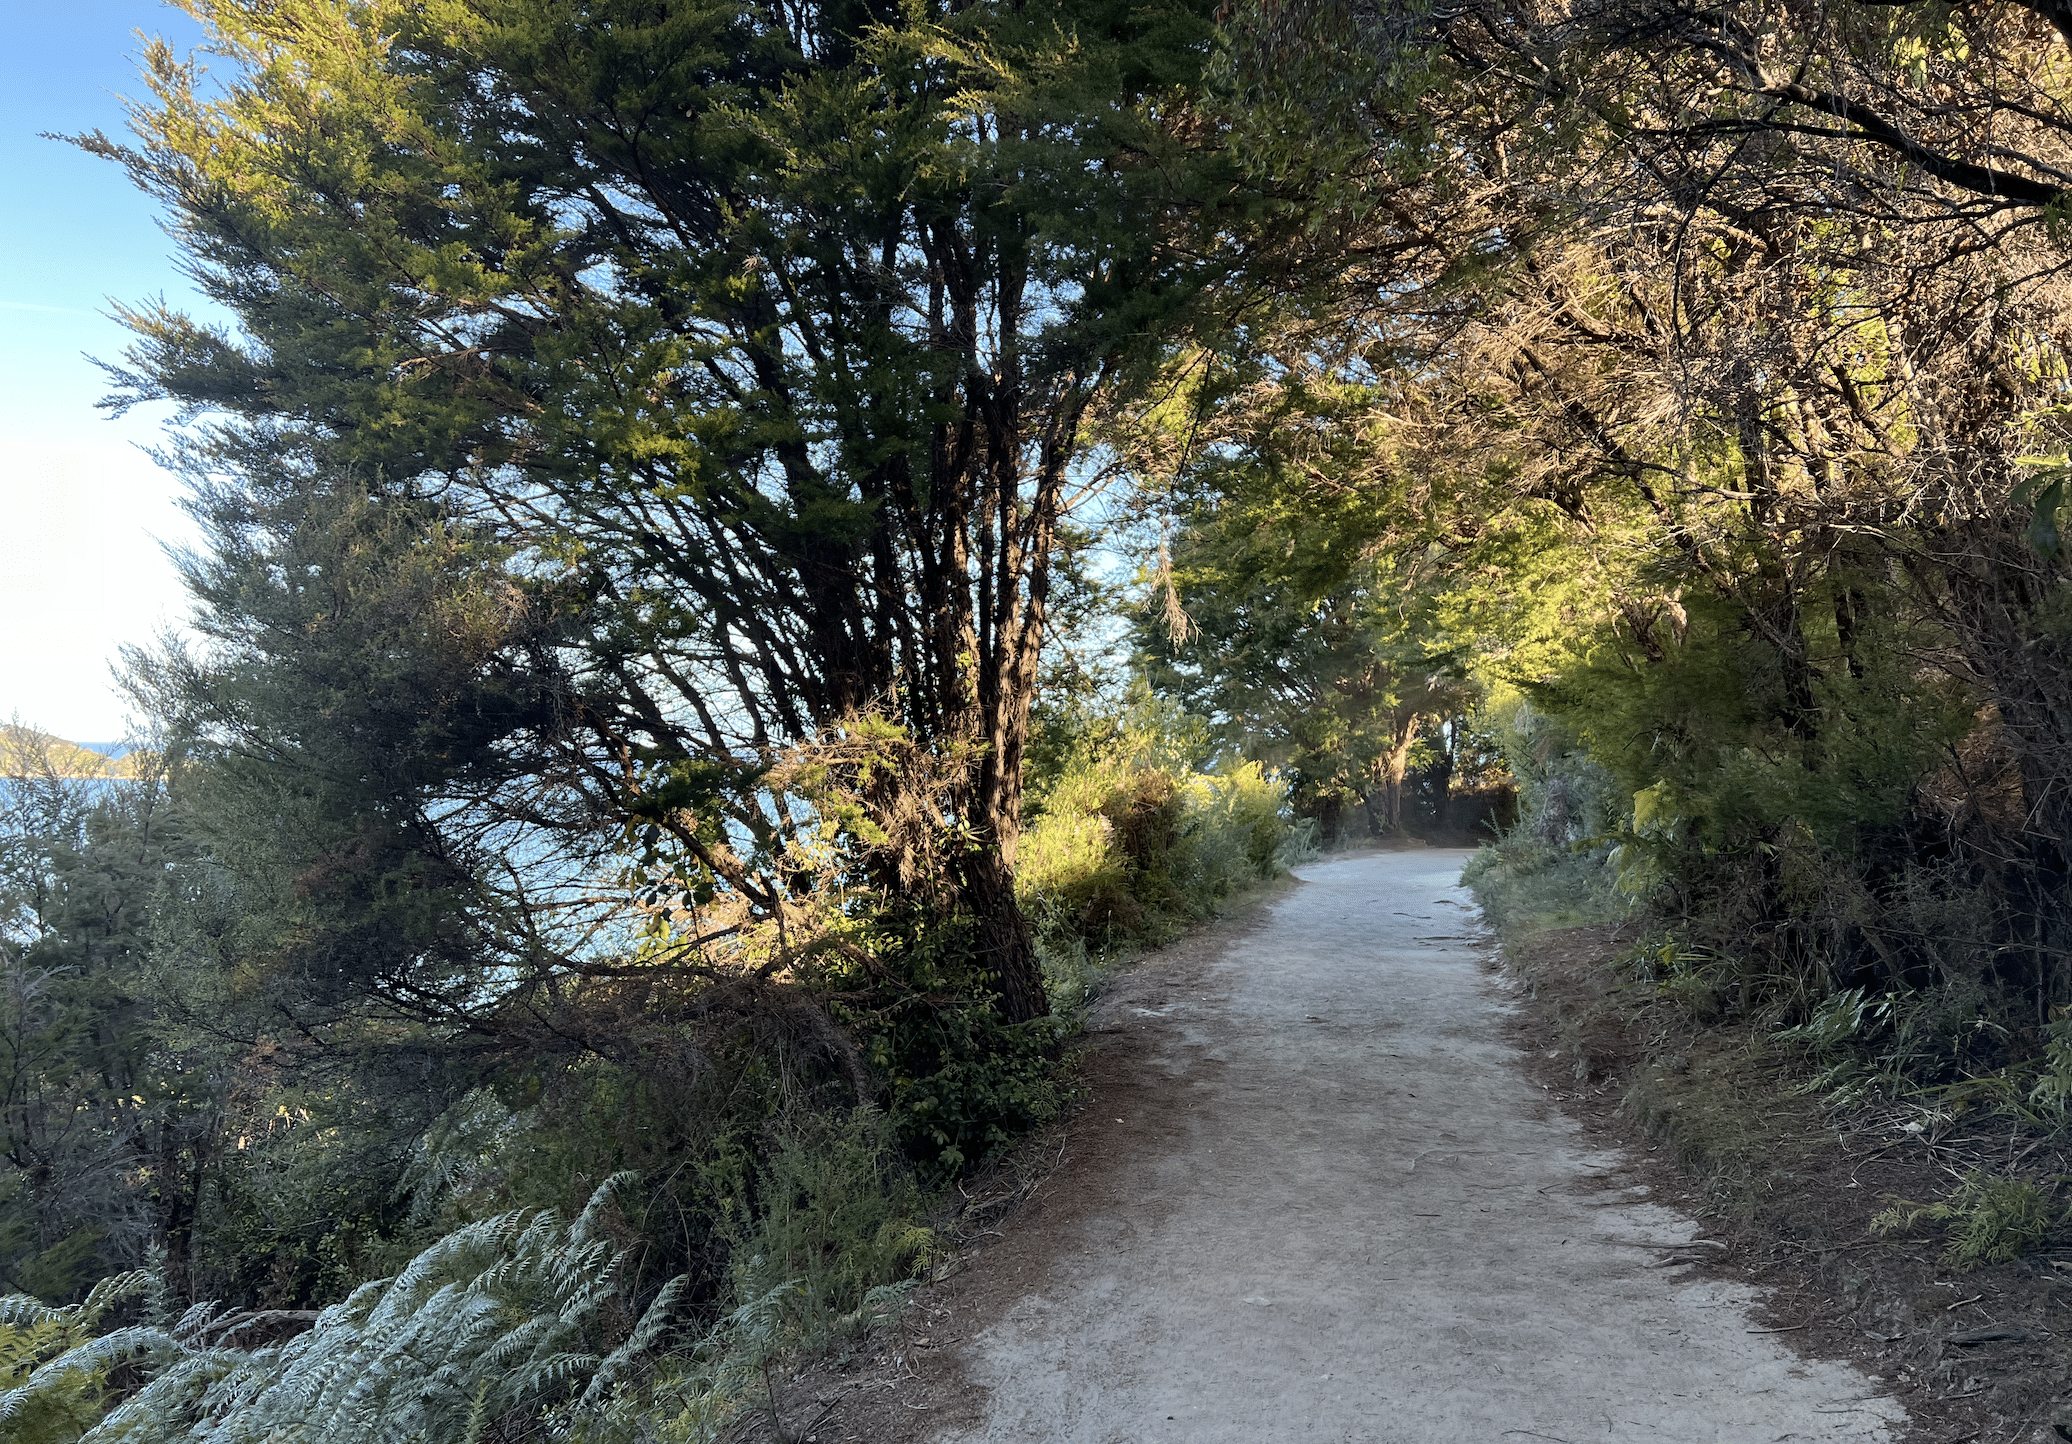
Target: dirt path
point(1329, 1205)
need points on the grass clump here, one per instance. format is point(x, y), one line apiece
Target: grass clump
point(1719, 1105)
point(837, 1214)
point(1525, 885)
point(1992, 1218)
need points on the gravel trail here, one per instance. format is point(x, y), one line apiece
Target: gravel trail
point(1331, 1206)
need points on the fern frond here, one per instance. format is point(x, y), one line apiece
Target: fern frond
point(110, 1292)
point(654, 1323)
point(195, 1319)
point(498, 1316)
point(591, 1219)
point(26, 1311)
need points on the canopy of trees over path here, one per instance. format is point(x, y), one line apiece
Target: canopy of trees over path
point(654, 730)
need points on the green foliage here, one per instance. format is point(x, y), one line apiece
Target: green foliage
point(700, 1126)
point(512, 1318)
point(962, 1083)
point(837, 1217)
point(1523, 885)
point(560, 485)
point(560, 475)
point(53, 1381)
point(302, 1201)
point(1812, 686)
point(1135, 837)
point(358, 681)
point(2052, 1091)
point(1565, 795)
point(104, 1132)
point(1099, 859)
point(1557, 867)
point(1992, 1218)
point(1306, 619)
point(1773, 817)
point(515, 1323)
point(1074, 974)
point(1718, 728)
point(632, 490)
point(1946, 1049)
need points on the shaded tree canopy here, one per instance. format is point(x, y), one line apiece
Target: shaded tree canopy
point(1760, 311)
point(625, 394)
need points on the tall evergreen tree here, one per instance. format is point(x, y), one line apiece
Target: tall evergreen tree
point(736, 353)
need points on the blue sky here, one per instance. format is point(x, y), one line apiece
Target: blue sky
point(83, 512)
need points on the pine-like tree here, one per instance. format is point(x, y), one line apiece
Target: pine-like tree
point(719, 367)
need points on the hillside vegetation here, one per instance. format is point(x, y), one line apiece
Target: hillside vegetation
point(27, 752)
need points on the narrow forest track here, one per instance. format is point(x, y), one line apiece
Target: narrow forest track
point(1315, 1196)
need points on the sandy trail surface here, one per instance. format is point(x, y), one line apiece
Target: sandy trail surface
point(1336, 1208)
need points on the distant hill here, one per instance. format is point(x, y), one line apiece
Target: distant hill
point(31, 752)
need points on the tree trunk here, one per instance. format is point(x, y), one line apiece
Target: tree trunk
point(1330, 816)
point(1006, 947)
point(1395, 765)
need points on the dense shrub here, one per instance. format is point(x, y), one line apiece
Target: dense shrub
point(1811, 901)
point(1134, 833)
point(1558, 865)
point(958, 1082)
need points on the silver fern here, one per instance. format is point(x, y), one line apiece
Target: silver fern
point(505, 1324)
